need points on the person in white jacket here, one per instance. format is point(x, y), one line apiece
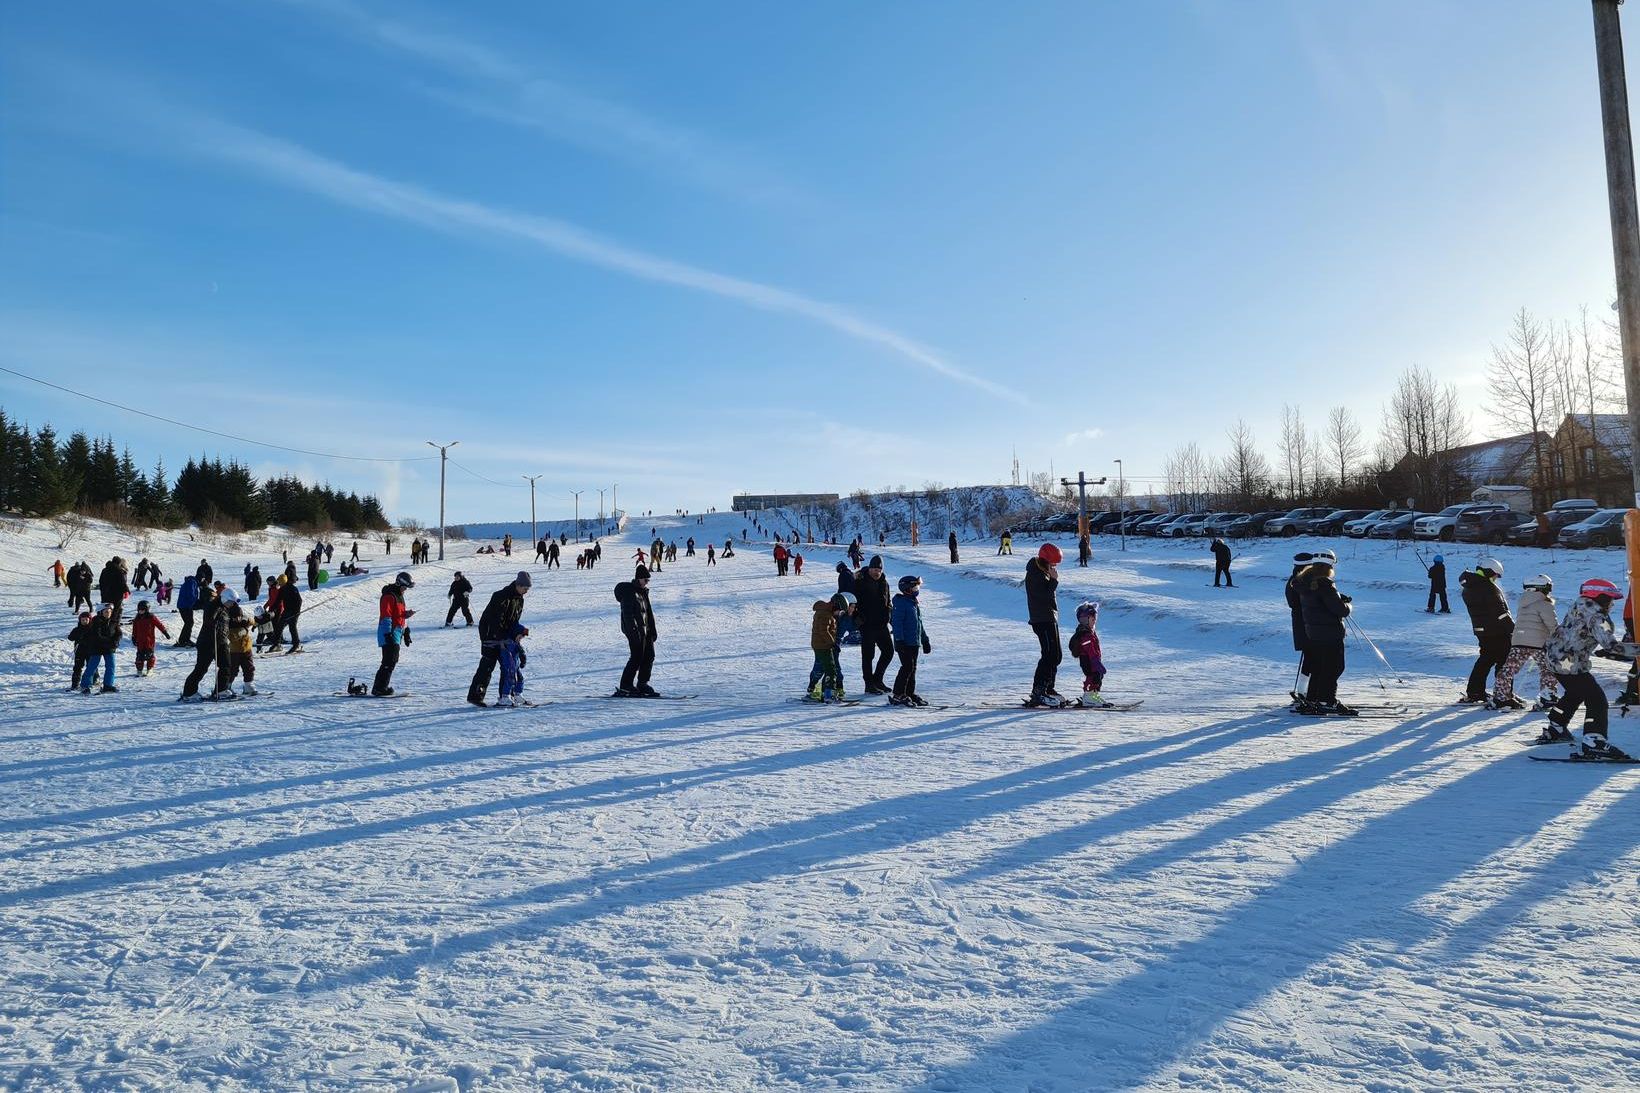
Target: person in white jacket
point(1534, 625)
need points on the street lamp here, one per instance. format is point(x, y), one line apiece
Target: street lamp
point(600, 508)
point(443, 456)
point(530, 478)
point(1121, 502)
point(577, 495)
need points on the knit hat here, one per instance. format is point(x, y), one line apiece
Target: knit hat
point(876, 562)
point(523, 578)
point(641, 573)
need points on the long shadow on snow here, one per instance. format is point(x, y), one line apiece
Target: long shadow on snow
point(1312, 779)
point(1126, 1032)
point(610, 791)
point(800, 845)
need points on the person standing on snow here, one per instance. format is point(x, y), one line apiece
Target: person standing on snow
point(872, 612)
point(845, 579)
point(495, 623)
point(290, 609)
point(1006, 544)
point(143, 627)
point(111, 583)
point(1301, 683)
point(910, 638)
point(461, 590)
point(253, 583)
point(392, 627)
point(1324, 610)
point(205, 648)
point(313, 570)
point(57, 573)
point(541, 550)
point(638, 626)
point(1437, 585)
point(204, 574)
point(1084, 550)
point(711, 554)
point(83, 641)
point(1533, 629)
point(187, 600)
point(552, 554)
point(1084, 646)
point(1587, 627)
point(1042, 606)
point(951, 544)
point(105, 639)
point(1221, 563)
point(1489, 617)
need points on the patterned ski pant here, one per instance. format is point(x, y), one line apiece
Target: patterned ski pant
point(1548, 685)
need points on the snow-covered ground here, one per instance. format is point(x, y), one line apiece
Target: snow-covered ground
point(738, 892)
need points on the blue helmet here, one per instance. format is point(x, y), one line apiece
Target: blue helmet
point(1441, 558)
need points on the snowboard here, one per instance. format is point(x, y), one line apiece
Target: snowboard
point(1109, 707)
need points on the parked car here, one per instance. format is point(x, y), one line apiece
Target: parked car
point(1332, 523)
point(1603, 529)
point(1185, 525)
point(1159, 528)
point(1526, 533)
point(1060, 522)
point(1396, 527)
point(1247, 526)
point(1152, 525)
point(1358, 528)
point(1444, 524)
point(1133, 520)
point(1291, 523)
point(1103, 521)
point(1219, 523)
point(1486, 525)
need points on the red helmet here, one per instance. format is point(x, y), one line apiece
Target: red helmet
point(1050, 554)
point(1596, 587)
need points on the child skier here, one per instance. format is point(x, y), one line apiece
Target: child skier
point(1490, 619)
point(825, 679)
point(905, 620)
point(1437, 585)
point(1587, 627)
point(143, 626)
point(81, 637)
point(242, 663)
point(711, 554)
point(513, 659)
point(1085, 648)
point(1534, 627)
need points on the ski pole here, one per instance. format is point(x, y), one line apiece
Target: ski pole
point(1379, 653)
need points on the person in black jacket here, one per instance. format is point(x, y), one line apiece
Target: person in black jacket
point(1301, 682)
point(1490, 619)
point(104, 639)
point(1437, 586)
point(205, 651)
point(1324, 611)
point(1221, 563)
point(1042, 605)
point(253, 583)
point(873, 606)
point(111, 583)
point(461, 590)
point(845, 579)
point(638, 624)
point(83, 641)
point(290, 609)
point(951, 544)
point(505, 609)
point(313, 570)
point(204, 574)
point(552, 554)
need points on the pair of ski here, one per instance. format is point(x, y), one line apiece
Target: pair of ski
point(1077, 707)
point(1613, 755)
point(804, 700)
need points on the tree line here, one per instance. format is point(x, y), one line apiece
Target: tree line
point(41, 475)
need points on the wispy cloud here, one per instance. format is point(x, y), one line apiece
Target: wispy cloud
point(1085, 435)
point(292, 165)
point(502, 89)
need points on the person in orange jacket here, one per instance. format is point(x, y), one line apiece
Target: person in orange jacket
point(57, 572)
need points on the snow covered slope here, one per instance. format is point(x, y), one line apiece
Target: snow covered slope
point(973, 512)
point(737, 892)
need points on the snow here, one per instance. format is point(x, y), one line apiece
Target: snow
point(738, 892)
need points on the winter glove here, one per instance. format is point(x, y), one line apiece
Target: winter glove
point(407, 635)
point(928, 646)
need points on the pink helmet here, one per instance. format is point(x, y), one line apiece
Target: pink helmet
point(1596, 587)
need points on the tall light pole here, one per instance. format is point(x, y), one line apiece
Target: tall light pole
point(601, 508)
point(577, 495)
point(615, 502)
point(443, 457)
point(530, 478)
point(1121, 501)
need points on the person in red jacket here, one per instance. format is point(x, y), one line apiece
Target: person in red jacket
point(143, 627)
point(392, 631)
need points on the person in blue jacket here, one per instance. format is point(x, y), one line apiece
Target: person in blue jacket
point(187, 599)
point(905, 621)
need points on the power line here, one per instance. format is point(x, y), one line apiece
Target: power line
point(482, 478)
point(212, 432)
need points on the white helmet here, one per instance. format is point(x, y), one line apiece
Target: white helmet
point(1541, 582)
point(1491, 565)
point(1324, 557)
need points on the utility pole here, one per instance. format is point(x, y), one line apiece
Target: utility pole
point(1614, 117)
point(601, 508)
point(1121, 501)
point(1082, 484)
point(530, 478)
point(615, 502)
point(577, 495)
point(443, 457)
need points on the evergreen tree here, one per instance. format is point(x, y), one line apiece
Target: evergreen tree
point(55, 486)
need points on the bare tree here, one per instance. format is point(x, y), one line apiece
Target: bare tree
point(1423, 422)
point(1345, 447)
point(68, 526)
point(1245, 471)
point(1189, 477)
point(1524, 388)
point(1042, 482)
point(1295, 448)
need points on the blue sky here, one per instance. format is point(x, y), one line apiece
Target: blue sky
point(698, 248)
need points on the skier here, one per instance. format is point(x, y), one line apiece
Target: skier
point(909, 639)
point(856, 554)
point(711, 554)
point(825, 682)
point(392, 632)
point(461, 590)
point(552, 554)
point(1041, 585)
point(506, 607)
point(205, 648)
point(1006, 545)
point(220, 637)
point(276, 592)
point(1587, 627)
point(510, 691)
point(139, 579)
point(728, 548)
point(1324, 610)
point(541, 550)
point(638, 625)
point(951, 545)
point(290, 609)
point(1221, 563)
point(83, 641)
point(1437, 585)
point(104, 640)
point(143, 626)
point(241, 662)
point(1084, 551)
point(1532, 629)
point(1490, 619)
point(872, 613)
point(1084, 646)
point(57, 573)
point(187, 600)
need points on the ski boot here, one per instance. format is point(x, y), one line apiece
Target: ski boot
point(1336, 708)
point(249, 689)
point(620, 692)
point(1553, 734)
point(1091, 699)
point(916, 700)
point(109, 689)
point(1543, 704)
point(899, 700)
point(644, 690)
point(1472, 700)
point(1510, 703)
point(505, 702)
point(1596, 749)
